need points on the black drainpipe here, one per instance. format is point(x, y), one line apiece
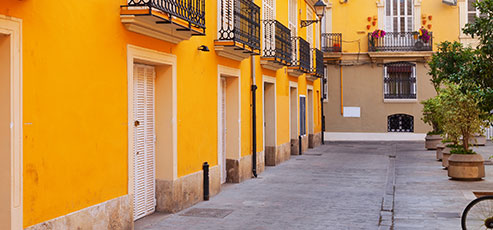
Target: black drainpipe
point(322, 86)
point(254, 120)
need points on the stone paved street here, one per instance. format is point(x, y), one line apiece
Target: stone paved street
point(341, 185)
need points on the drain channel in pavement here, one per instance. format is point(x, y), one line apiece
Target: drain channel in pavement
point(207, 212)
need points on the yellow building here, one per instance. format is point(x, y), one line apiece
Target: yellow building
point(114, 106)
point(376, 80)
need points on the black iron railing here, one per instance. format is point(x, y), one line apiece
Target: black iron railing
point(400, 41)
point(277, 42)
point(240, 22)
point(331, 42)
point(191, 11)
point(300, 54)
point(318, 59)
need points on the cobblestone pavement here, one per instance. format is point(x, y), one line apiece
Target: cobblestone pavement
point(341, 185)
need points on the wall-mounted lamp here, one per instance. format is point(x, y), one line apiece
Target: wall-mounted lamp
point(319, 10)
point(203, 48)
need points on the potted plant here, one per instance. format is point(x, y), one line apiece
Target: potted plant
point(462, 115)
point(375, 35)
point(433, 117)
point(424, 35)
point(441, 147)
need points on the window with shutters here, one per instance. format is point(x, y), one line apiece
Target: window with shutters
point(399, 15)
point(268, 13)
point(400, 80)
point(309, 34)
point(293, 22)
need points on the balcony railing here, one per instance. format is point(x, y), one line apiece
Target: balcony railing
point(277, 42)
point(191, 11)
point(300, 56)
point(400, 41)
point(240, 22)
point(318, 60)
point(331, 42)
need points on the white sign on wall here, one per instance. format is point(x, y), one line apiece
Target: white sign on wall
point(352, 112)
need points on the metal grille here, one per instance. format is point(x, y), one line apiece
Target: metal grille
point(191, 11)
point(400, 123)
point(300, 55)
point(240, 22)
point(400, 41)
point(331, 42)
point(319, 63)
point(277, 41)
point(400, 80)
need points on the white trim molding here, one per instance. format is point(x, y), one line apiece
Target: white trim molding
point(12, 27)
point(152, 57)
point(229, 72)
point(362, 136)
point(271, 80)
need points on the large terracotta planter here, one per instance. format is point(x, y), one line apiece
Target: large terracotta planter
point(445, 156)
point(431, 141)
point(478, 140)
point(466, 167)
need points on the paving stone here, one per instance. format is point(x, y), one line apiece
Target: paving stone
point(339, 186)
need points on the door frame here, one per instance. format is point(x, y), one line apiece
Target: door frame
point(293, 85)
point(309, 111)
point(227, 72)
point(139, 55)
point(271, 80)
point(13, 27)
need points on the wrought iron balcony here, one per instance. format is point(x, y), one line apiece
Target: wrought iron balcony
point(300, 57)
point(239, 31)
point(277, 42)
point(332, 42)
point(400, 41)
point(155, 18)
point(317, 65)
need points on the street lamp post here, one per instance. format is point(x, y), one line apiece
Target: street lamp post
point(320, 11)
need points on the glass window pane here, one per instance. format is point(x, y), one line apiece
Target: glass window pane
point(410, 7)
point(394, 7)
point(402, 7)
point(395, 24)
point(470, 6)
point(387, 7)
point(409, 24)
point(471, 17)
point(403, 24)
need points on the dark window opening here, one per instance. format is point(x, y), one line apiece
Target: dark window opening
point(400, 123)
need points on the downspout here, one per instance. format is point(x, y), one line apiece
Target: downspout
point(322, 87)
point(342, 95)
point(254, 120)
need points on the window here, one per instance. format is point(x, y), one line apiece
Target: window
point(399, 15)
point(400, 123)
point(293, 22)
point(302, 116)
point(472, 12)
point(400, 80)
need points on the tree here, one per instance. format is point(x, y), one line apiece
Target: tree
point(482, 29)
point(432, 114)
point(461, 113)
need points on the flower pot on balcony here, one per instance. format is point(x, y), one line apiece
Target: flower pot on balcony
point(466, 167)
point(445, 156)
point(431, 141)
point(478, 140)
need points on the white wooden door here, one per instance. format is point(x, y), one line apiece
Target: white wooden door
point(144, 141)
point(222, 156)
